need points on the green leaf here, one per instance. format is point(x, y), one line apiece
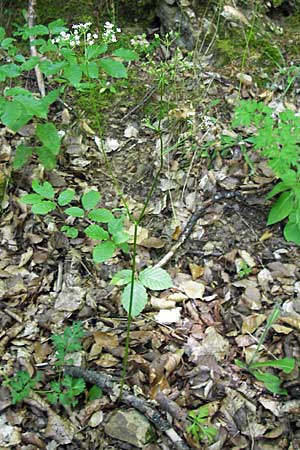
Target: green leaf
point(127, 55)
point(104, 251)
point(90, 199)
point(291, 230)
point(73, 73)
point(285, 364)
point(96, 232)
point(45, 190)
point(14, 116)
point(155, 278)
point(23, 154)
point(139, 299)
point(115, 225)
point(271, 382)
point(30, 63)
point(46, 157)
point(2, 33)
point(280, 187)
point(57, 26)
point(49, 136)
point(31, 199)
point(65, 197)
point(50, 68)
point(43, 207)
point(94, 393)
point(240, 364)
point(92, 70)
point(37, 30)
point(75, 385)
point(74, 211)
point(120, 237)
point(10, 71)
point(101, 215)
point(282, 208)
point(122, 277)
point(113, 68)
point(95, 50)
point(71, 232)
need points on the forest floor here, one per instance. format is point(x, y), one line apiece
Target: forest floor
point(229, 276)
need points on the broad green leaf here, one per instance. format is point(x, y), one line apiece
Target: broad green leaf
point(280, 187)
point(90, 199)
point(94, 393)
point(155, 278)
point(120, 237)
point(113, 68)
point(116, 225)
point(46, 157)
point(73, 73)
point(43, 207)
point(291, 231)
point(126, 54)
point(95, 50)
point(50, 98)
point(139, 299)
point(285, 364)
point(101, 215)
point(2, 33)
point(22, 155)
point(282, 208)
point(65, 197)
point(49, 136)
point(30, 63)
point(14, 115)
point(71, 232)
point(57, 26)
point(50, 68)
point(104, 251)
point(122, 277)
point(74, 211)
point(45, 190)
point(10, 71)
point(31, 199)
point(96, 232)
point(92, 70)
point(37, 30)
point(11, 92)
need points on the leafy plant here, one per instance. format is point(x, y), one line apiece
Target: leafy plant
point(271, 382)
point(65, 389)
point(43, 202)
point(244, 270)
point(278, 139)
point(199, 428)
point(153, 278)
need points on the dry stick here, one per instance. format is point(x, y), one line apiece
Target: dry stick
point(106, 383)
point(185, 234)
point(33, 51)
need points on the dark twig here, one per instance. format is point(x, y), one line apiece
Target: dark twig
point(146, 97)
point(108, 385)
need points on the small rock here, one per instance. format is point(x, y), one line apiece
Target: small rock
point(131, 131)
point(245, 79)
point(131, 427)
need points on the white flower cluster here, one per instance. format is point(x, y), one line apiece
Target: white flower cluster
point(74, 39)
point(109, 34)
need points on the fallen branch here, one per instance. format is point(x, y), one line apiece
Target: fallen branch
point(109, 386)
point(33, 51)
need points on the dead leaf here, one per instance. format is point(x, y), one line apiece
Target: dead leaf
point(161, 303)
point(212, 343)
point(196, 270)
point(167, 316)
point(106, 340)
point(251, 323)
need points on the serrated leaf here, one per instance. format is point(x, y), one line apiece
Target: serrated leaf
point(90, 199)
point(23, 153)
point(49, 136)
point(95, 50)
point(74, 211)
point(120, 237)
point(122, 277)
point(43, 207)
point(113, 68)
point(101, 215)
point(31, 199)
point(96, 232)
point(139, 299)
point(126, 54)
point(44, 189)
point(73, 73)
point(65, 197)
point(155, 278)
point(104, 251)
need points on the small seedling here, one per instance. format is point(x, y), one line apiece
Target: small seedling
point(271, 382)
point(65, 389)
point(199, 428)
point(244, 270)
point(43, 202)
